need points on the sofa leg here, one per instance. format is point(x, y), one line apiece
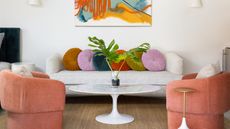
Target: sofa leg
point(196, 121)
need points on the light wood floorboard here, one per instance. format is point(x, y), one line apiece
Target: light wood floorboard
point(80, 113)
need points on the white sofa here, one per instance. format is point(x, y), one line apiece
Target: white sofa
point(174, 70)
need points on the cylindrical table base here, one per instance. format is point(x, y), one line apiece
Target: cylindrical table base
point(114, 119)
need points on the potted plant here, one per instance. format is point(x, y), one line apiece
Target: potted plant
point(110, 54)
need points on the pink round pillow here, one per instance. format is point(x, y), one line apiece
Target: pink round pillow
point(154, 60)
point(85, 60)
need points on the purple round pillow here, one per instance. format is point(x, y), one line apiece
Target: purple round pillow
point(154, 60)
point(85, 60)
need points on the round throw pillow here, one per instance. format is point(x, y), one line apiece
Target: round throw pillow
point(85, 60)
point(116, 66)
point(154, 60)
point(100, 63)
point(70, 59)
point(136, 65)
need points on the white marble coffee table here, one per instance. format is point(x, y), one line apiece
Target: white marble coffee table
point(114, 117)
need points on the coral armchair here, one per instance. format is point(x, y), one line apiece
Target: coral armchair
point(205, 107)
point(32, 103)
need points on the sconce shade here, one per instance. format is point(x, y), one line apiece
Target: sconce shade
point(34, 2)
point(195, 3)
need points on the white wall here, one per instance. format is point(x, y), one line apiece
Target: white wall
point(197, 34)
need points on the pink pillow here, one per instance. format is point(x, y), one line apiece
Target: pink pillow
point(154, 60)
point(85, 60)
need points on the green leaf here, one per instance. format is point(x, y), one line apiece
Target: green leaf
point(99, 54)
point(143, 47)
point(91, 45)
point(111, 45)
point(97, 50)
point(116, 47)
point(122, 57)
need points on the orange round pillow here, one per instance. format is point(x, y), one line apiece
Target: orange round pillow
point(70, 59)
point(116, 66)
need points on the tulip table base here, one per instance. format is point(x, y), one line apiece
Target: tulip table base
point(114, 117)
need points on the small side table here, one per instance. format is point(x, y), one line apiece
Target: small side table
point(184, 91)
point(29, 66)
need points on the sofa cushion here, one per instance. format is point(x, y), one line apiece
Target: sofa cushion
point(85, 60)
point(135, 65)
point(70, 59)
point(100, 63)
point(23, 71)
point(104, 77)
point(116, 66)
point(208, 71)
point(154, 60)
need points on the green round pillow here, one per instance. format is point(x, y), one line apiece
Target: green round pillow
point(134, 64)
point(70, 59)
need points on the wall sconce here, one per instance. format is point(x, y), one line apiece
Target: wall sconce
point(195, 3)
point(34, 2)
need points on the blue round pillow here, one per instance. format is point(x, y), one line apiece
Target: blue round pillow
point(100, 63)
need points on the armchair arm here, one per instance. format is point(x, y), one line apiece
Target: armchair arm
point(174, 63)
point(39, 75)
point(42, 95)
point(32, 95)
point(54, 64)
point(197, 102)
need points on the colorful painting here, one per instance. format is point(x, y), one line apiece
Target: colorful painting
point(113, 12)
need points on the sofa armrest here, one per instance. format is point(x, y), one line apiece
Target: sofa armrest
point(39, 75)
point(54, 64)
point(174, 63)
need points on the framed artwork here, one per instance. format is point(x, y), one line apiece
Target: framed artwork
point(113, 12)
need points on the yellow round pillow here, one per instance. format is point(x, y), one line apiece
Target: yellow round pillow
point(70, 59)
point(136, 65)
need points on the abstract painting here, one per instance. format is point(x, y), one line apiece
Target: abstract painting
point(113, 12)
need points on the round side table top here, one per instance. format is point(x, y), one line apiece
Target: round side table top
point(184, 90)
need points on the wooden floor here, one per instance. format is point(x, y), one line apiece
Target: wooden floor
point(80, 113)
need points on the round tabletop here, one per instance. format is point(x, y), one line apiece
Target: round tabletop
point(108, 89)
